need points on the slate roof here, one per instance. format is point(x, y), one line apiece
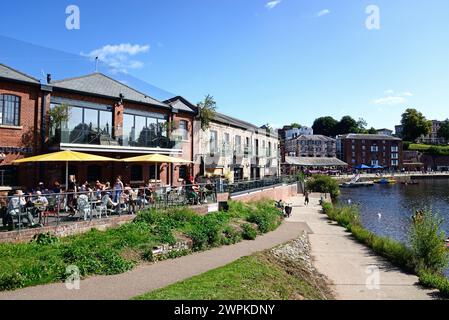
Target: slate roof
point(357, 136)
point(181, 104)
point(10, 73)
point(314, 137)
point(224, 119)
point(315, 162)
point(100, 84)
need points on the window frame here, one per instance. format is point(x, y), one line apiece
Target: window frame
point(16, 112)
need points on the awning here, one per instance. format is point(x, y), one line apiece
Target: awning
point(315, 162)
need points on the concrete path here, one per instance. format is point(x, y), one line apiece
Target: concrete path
point(154, 276)
point(348, 263)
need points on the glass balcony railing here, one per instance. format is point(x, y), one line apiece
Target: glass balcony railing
point(87, 136)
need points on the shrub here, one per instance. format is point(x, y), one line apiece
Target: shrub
point(249, 233)
point(230, 236)
point(327, 208)
point(428, 242)
point(44, 239)
point(324, 184)
point(11, 281)
point(266, 216)
point(205, 231)
point(432, 280)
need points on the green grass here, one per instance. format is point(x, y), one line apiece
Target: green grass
point(118, 250)
point(257, 277)
point(429, 149)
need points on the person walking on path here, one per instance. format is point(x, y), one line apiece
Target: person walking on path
point(307, 200)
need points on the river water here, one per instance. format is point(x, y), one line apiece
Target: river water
point(386, 210)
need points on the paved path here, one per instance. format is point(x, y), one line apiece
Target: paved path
point(150, 277)
point(345, 262)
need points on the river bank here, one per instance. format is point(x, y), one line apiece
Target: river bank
point(356, 272)
point(285, 272)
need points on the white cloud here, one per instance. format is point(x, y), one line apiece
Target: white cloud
point(272, 4)
point(393, 99)
point(323, 12)
point(118, 57)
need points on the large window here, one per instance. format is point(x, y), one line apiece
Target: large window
point(9, 110)
point(238, 145)
point(184, 130)
point(213, 141)
point(143, 131)
point(86, 125)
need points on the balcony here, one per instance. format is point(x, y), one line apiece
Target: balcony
point(86, 138)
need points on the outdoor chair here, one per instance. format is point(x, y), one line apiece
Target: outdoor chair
point(83, 207)
point(52, 210)
point(103, 207)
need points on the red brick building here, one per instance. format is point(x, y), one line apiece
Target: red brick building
point(106, 117)
point(370, 150)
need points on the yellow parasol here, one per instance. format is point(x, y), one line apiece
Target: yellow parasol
point(65, 156)
point(156, 158)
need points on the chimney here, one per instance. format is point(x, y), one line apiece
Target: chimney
point(48, 78)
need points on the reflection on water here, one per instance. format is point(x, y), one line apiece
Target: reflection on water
point(397, 203)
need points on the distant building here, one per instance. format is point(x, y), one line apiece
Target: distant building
point(386, 132)
point(296, 132)
point(288, 133)
point(311, 146)
point(371, 150)
point(433, 138)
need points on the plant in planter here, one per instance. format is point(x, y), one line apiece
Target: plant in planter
point(207, 111)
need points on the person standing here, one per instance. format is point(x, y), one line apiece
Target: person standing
point(118, 189)
point(72, 189)
point(306, 196)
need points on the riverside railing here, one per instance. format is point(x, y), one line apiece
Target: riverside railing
point(19, 212)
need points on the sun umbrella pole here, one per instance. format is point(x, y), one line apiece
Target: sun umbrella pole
point(66, 176)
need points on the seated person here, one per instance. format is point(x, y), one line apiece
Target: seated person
point(16, 208)
point(106, 200)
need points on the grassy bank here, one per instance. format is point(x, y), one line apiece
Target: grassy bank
point(430, 149)
point(115, 251)
point(426, 257)
point(258, 277)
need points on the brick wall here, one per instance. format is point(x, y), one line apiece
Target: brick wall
point(274, 193)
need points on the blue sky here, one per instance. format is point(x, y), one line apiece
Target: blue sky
point(264, 61)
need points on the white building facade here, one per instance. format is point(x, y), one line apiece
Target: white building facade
point(235, 149)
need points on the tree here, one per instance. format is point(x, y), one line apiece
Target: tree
point(267, 127)
point(443, 132)
point(207, 111)
point(57, 115)
point(362, 124)
point(326, 126)
point(296, 125)
point(372, 130)
point(414, 125)
point(347, 125)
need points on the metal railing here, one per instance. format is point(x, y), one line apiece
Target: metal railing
point(147, 138)
point(32, 209)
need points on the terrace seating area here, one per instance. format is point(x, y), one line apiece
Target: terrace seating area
point(38, 209)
